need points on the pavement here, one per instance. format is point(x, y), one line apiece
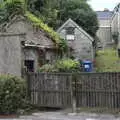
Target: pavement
point(67, 116)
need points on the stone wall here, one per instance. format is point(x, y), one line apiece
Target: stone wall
point(105, 36)
point(104, 32)
point(30, 54)
point(10, 54)
point(82, 45)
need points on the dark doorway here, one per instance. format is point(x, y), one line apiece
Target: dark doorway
point(30, 65)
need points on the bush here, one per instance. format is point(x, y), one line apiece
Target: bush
point(67, 65)
point(107, 61)
point(12, 94)
point(47, 68)
point(64, 65)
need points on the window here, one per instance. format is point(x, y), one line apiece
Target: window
point(30, 65)
point(70, 33)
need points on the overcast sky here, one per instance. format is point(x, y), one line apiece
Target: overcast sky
point(101, 4)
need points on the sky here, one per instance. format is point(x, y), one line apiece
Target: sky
point(101, 4)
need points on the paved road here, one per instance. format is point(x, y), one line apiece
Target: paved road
point(65, 116)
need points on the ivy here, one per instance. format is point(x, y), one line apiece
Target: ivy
point(52, 34)
point(18, 7)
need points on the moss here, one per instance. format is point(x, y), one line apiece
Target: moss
point(19, 5)
point(52, 34)
point(107, 61)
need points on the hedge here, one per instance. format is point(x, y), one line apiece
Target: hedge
point(12, 94)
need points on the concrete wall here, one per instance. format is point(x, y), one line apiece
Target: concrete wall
point(105, 36)
point(104, 32)
point(82, 45)
point(31, 54)
point(10, 55)
point(31, 36)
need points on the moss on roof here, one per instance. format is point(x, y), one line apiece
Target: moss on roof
point(52, 34)
point(61, 43)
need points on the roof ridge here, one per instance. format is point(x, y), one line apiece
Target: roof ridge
point(80, 28)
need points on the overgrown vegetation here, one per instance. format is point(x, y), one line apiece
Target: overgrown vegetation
point(115, 38)
point(56, 12)
point(107, 61)
point(14, 7)
point(64, 65)
point(54, 36)
point(12, 94)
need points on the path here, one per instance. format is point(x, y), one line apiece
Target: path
point(64, 116)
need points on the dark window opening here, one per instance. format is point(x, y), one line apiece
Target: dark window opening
point(70, 31)
point(30, 65)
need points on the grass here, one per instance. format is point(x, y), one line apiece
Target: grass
point(107, 61)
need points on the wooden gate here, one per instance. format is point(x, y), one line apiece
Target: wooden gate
point(50, 89)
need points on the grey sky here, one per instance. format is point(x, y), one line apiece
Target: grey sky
point(101, 4)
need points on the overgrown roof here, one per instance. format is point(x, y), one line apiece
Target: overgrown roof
point(59, 42)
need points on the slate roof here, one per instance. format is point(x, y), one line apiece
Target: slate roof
point(104, 14)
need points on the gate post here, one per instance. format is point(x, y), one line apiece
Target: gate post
point(74, 108)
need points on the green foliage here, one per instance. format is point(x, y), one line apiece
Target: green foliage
point(56, 12)
point(67, 65)
point(14, 7)
point(47, 68)
point(55, 37)
point(64, 65)
point(115, 38)
point(12, 94)
point(107, 61)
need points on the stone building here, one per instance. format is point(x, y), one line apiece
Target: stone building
point(109, 26)
point(24, 45)
point(104, 31)
point(80, 42)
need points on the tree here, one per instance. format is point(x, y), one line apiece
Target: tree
point(10, 7)
point(56, 12)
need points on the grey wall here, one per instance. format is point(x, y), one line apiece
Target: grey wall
point(30, 54)
point(10, 55)
point(105, 36)
point(82, 45)
point(104, 32)
point(14, 59)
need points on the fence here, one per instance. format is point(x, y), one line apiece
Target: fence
point(89, 89)
point(50, 90)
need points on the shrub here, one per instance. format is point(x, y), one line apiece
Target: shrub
point(107, 61)
point(12, 94)
point(64, 65)
point(67, 65)
point(47, 68)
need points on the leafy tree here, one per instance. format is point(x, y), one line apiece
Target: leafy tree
point(10, 7)
point(56, 12)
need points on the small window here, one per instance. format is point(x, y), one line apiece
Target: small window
point(30, 65)
point(70, 33)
